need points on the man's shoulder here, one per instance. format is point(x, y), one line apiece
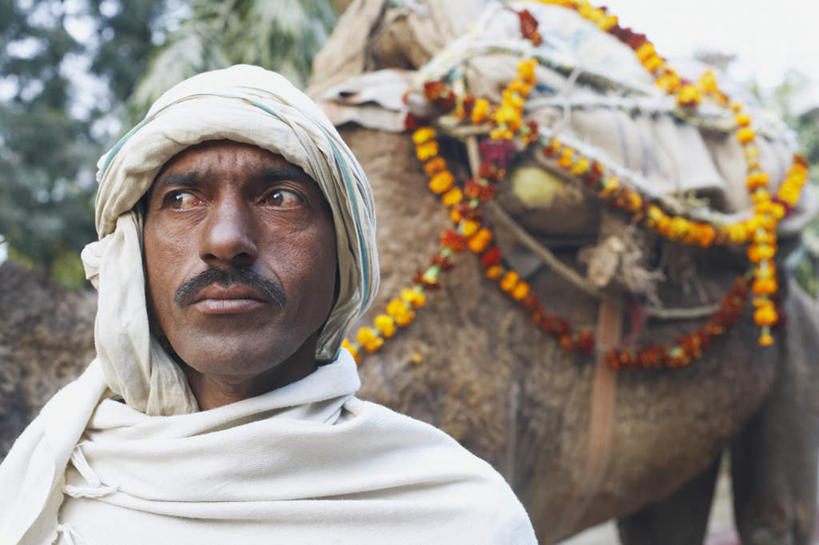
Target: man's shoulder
point(459, 485)
point(418, 442)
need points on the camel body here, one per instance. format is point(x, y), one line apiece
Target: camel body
point(578, 444)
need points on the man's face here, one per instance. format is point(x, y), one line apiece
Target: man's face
point(240, 254)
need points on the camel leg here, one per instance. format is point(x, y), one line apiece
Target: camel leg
point(774, 459)
point(774, 479)
point(680, 519)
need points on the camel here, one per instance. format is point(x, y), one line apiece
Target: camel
point(580, 444)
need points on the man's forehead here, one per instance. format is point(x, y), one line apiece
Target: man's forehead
point(194, 162)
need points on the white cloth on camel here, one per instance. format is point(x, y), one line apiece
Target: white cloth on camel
point(308, 462)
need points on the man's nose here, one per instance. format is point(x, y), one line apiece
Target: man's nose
point(229, 237)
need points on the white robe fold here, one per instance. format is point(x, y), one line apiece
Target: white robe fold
point(307, 463)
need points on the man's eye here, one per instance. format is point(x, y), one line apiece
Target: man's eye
point(182, 200)
point(283, 198)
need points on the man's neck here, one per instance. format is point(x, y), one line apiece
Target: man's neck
point(213, 391)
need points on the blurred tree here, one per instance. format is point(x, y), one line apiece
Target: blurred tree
point(796, 100)
point(55, 120)
point(68, 68)
point(282, 35)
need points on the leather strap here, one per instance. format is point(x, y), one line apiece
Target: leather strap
point(609, 331)
point(601, 412)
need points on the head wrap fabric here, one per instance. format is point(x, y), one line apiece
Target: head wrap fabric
point(245, 104)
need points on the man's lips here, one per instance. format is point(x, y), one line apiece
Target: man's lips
point(223, 290)
point(232, 299)
point(232, 291)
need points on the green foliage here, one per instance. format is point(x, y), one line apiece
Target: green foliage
point(52, 128)
point(806, 126)
point(14, 255)
point(50, 132)
point(806, 275)
point(126, 42)
point(67, 269)
point(283, 35)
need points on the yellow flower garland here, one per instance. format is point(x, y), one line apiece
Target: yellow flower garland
point(761, 228)
point(507, 122)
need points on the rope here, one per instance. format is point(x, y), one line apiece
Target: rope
point(478, 42)
point(564, 102)
point(544, 253)
point(483, 39)
point(569, 274)
point(644, 185)
point(709, 119)
point(95, 488)
point(685, 207)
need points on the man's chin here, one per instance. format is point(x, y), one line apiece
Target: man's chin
point(232, 353)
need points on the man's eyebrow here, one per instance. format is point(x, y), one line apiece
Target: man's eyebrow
point(188, 179)
point(285, 172)
point(267, 173)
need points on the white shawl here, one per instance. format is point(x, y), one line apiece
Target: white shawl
point(305, 464)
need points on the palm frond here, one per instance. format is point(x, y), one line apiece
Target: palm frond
point(282, 35)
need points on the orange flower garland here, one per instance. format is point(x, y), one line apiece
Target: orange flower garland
point(689, 347)
point(508, 117)
point(506, 122)
point(466, 215)
point(761, 228)
point(678, 228)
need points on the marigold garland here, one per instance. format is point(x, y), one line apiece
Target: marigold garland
point(761, 228)
point(506, 123)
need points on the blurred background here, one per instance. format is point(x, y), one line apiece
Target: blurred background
point(74, 74)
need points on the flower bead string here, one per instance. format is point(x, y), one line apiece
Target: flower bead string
point(688, 347)
point(684, 350)
point(506, 122)
point(464, 205)
point(609, 187)
point(495, 154)
point(760, 230)
point(466, 214)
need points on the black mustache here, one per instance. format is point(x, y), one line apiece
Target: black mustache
point(269, 287)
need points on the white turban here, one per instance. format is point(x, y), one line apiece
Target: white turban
point(244, 104)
